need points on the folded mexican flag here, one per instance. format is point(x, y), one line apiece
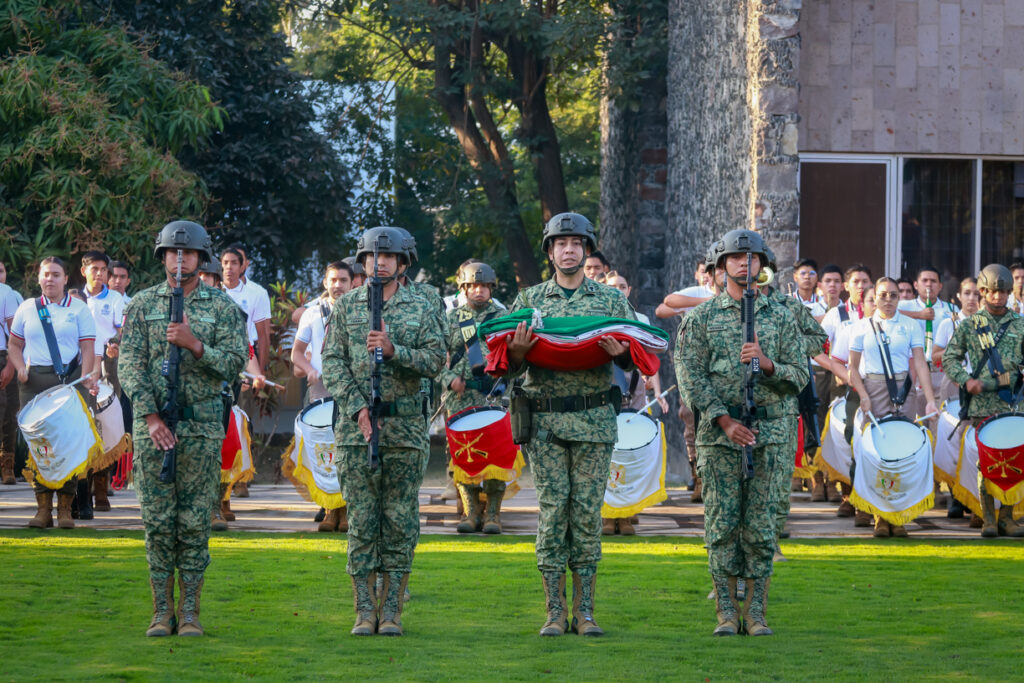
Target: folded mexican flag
point(571, 343)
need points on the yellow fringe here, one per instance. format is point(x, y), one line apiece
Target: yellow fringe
point(895, 518)
point(609, 512)
point(959, 492)
point(237, 474)
point(113, 455)
point(328, 501)
point(821, 464)
point(1012, 496)
point(943, 477)
point(490, 472)
point(288, 471)
point(94, 455)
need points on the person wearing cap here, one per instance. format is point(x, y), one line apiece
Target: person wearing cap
point(213, 347)
point(573, 427)
point(466, 385)
point(712, 368)
point(995, 377)
point(382, 497)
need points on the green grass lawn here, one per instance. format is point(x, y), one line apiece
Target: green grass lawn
point(74, 605)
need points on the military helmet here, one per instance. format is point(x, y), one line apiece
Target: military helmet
point(711, 255)
point(771, 258)
point(389, 240)
point(185, 235)
point(995, 277)
point(742, 241)
point(212, 267)
point(472, 273)
point(410, 245)
point(356, 266)
point(568, 224)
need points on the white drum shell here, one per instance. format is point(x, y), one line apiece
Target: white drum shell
point(636, 432)
point(476, 420)
point(1003, 433)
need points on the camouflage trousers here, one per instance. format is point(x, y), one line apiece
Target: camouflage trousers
point(783, 482)
point(383, 508)
point(570, 489)
point(739, 515)
point(177, 514)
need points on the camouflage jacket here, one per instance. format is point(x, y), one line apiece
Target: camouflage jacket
point(711, 376)
point(414, 330)
point(216, 321)
point(965, 344)
point(591, 298)
point(456, 346)
point(813, 334)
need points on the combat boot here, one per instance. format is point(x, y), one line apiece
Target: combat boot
point(584, 583)
point(558, 611)
point(64, 520)
point(392, 602)
point(755, 607)
point(989, 528)
point(607, 526)
point(217, 522)
point(1007, 525)
point(164, 622)
point(472, 521)
point(899, 531)
point(697, 496)
point(818, 488)
point(225, 504)
point(862, 519)
point(330, 522)
point(343, 519)
point(84, 499)
point(7, 468)
point(845, 508)
point(976, 522)
point(725, 606)
point(44, 511)
point(882, 528)
point(241, 489)
point(626, 527)
point(363, 589)
point(492, 518)
point(99, 492)
point(191, 586)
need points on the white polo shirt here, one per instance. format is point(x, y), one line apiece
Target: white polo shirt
point(832, 322)
point(453, 301)
point(903, 335)
point(9, 302)
point(697, 292)
point(943, 309)
point(254, 302)
point(816, 305)
point(945, 333)
point(72, 323)
point(312, 329)
point(108, 313)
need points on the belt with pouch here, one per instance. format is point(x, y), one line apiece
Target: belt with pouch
point(207, 411)
point(575, 404)
point(402, 407)
point(768, 412)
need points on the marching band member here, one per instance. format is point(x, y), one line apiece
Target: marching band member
point(9, 302)
point(45, 354)
point(1016, 300)
point(928, 310)
point(988, 392)
point(970, 301)
point(881, 349)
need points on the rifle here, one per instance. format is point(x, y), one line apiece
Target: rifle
point(375, 287)
point(808, 402)
point(753, 370)
point(171, 370)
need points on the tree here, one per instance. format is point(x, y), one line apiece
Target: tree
point(277, 184)
point(90, 126)
point(491, 66)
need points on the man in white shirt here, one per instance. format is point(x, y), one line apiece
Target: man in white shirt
point(8, 306)
point(1016, 301)
point(928, 310)
point(252, 299)
point(119, 279)
point(686, 299)
point(596, 265)
point(309, 339)
point(805, 276)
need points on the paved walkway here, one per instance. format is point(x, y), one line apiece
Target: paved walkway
point(280, 509)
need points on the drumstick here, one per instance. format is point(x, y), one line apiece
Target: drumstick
point(83, 378)
point(279, 387)
point(875, 422)
point(650, 403)
point(926, 417)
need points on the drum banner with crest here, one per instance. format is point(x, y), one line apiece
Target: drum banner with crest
point(311, 465)
point(968, 478)
point(477, 455)
point(635, 481)
point(571, 343)
point(59, 449)
point(947, 450)
point(835, 455)
point(241, 468)
point(1000, 443)
point(898, 491)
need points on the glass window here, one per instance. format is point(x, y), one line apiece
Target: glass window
point(1002, 212)
point(938, 219)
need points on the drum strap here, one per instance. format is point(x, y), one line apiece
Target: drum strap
point(992, 359)
point(471, 345)
point(897, 396)
point(51, 340)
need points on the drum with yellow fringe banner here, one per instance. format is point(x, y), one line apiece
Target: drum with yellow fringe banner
point(835, 456)
point(804, 463)
point(1000, 441)
point(968, 476)
point(947, 446)
point(636, 478)
point(893, 475)
point(311, 461)
point(62, 438)
point(481, 446)
point(236, 451)
point(109, 420)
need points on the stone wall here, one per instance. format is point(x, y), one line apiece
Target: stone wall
point(913, 76)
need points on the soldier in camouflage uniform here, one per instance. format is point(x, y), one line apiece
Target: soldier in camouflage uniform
point(994, 283)
point(739, 514)
point(573, 426)
point(213, 350)
point(467, 386)
point(383, 505)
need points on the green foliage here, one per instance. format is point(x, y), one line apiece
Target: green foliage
point(89, 127)
point(277, 184)
point(279, 607)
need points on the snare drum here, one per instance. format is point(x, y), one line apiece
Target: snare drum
point(479, 438)
point(947, 450)
point(896, 438)
point(636, 477)
point(315, 455)
point(836, 453)
point(109, 418)
point(61, 435)
point(1001, 456)
point(894, 477)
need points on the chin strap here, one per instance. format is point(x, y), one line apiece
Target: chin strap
point(569, 271)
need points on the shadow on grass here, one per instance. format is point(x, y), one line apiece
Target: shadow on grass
point(278, 607)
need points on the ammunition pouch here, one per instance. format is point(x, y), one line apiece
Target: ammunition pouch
point(521, 417)
point(768, 412)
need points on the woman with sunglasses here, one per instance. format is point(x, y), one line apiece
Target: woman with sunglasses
point(887, 340)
